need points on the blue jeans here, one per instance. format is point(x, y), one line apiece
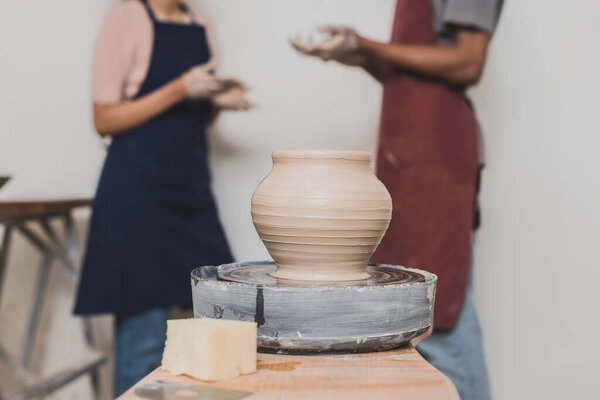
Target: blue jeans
point(139, 343)
point(459, 354)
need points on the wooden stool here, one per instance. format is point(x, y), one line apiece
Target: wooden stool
point(18, 216)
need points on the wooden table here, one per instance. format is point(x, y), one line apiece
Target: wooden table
point(20, 216)
point(399, 374)
point(13, 209)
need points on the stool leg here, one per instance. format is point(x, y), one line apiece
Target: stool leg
point(4, 253)
point(88, 332)
point(57, 246)
point(88, 329)
point(71, 239)
point(20, 373)
point(34, 316)
point(95, 383)
point(4, 357)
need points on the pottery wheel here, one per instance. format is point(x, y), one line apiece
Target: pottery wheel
point(260, 273)
point(382, 312)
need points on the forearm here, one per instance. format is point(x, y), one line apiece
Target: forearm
point(375, 67)
point(458, 63)
point(114, 119)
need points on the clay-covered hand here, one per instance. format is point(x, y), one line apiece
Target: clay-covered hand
point(341, 43)
point(233, 99)
point(200, 83)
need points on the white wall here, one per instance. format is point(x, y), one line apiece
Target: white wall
point(47, 144)
point(536, 256)
point(45, 124)
point(302, 103)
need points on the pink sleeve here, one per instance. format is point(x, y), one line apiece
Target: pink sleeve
point(112, 57)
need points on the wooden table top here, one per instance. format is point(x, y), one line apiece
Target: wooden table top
point(399, 374)
point(36, 208)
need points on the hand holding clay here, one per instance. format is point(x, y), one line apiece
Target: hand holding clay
point(341, 44)
point(233, 99)
point(200, 83)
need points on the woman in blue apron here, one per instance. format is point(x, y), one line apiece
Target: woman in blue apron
point(154, 218)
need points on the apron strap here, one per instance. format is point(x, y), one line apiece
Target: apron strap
point(186, 9)
point(182, 6)
point(149, 10)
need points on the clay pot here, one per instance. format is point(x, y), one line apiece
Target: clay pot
point(321, 214)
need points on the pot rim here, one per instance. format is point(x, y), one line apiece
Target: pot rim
point(358, 155)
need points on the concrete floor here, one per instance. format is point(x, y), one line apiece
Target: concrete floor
point(60, 341)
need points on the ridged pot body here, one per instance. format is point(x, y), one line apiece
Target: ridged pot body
point(321, 214)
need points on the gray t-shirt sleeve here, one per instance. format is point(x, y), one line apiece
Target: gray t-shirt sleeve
point(481, 14)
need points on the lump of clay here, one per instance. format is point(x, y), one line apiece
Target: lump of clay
point(210, 349)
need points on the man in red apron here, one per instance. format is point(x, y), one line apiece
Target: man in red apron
point(428, 157)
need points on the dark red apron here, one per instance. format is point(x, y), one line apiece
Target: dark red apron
point(428, 159)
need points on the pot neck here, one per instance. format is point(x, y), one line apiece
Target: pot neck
point(322, 156)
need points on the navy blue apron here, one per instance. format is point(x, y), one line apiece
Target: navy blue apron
point(154, 217)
